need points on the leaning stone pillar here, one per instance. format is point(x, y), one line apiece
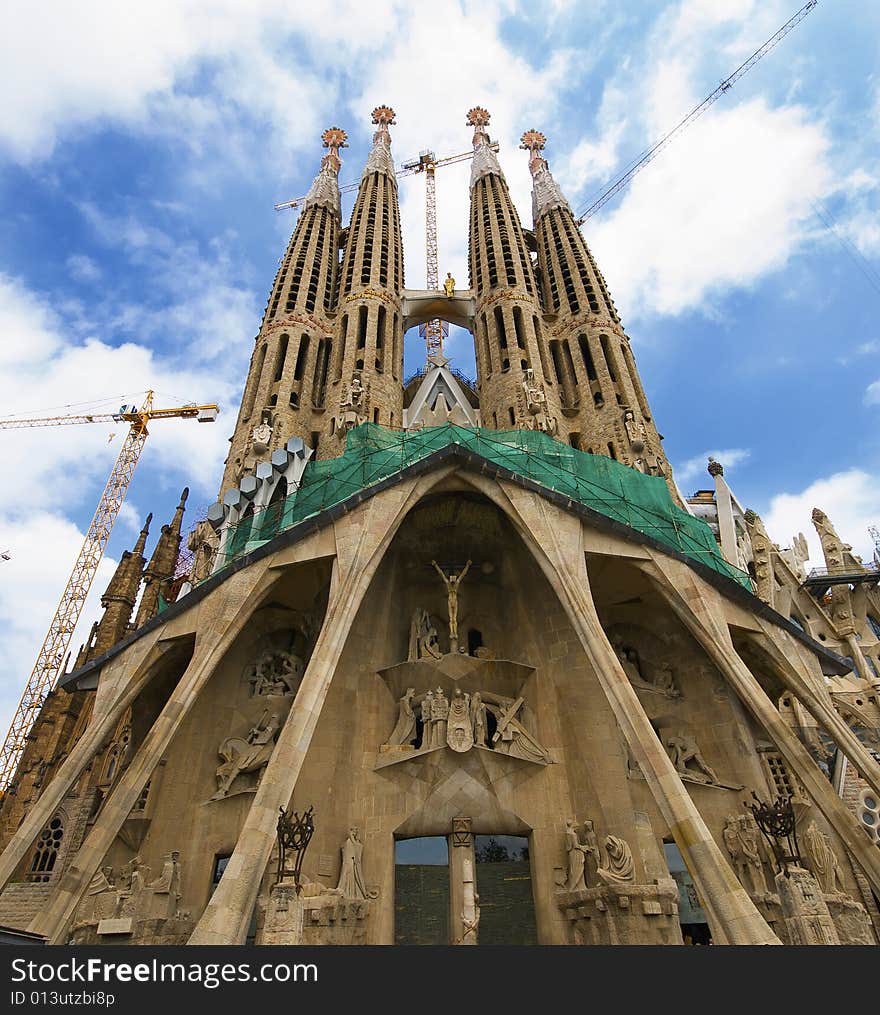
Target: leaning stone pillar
point(95, 736)
point(557, 543)
point(688, 601)
point(242, 593)
point(360, 544)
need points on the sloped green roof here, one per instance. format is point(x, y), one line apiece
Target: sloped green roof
point(373, 453)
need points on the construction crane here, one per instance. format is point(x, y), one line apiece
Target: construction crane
point(434, 331)
point(640, 163)
point(53, 651)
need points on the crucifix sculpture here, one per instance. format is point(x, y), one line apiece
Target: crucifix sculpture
point(452, 582)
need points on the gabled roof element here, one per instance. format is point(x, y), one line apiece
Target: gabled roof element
point(439, 400)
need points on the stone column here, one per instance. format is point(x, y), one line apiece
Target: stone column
point(361, 539)
point(690, 604)
point(95, 736)
point(241, 594)
point(463, 909)
point(555, 539)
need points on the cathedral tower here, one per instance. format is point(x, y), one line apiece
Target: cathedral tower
point(515, 378)
point(286, 390)
point(367, 362)
point(604, 407)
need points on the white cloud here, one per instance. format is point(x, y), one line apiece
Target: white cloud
point(851, 499)
point(696, 466)
point(872, 393)
point(83, 268)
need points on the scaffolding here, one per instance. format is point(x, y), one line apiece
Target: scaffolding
point(374, 453)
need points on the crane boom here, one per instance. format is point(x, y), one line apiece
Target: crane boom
point(51, 657)
point(696, 112)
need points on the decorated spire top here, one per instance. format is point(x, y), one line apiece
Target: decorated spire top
point(714, 468)
point(484, 161)
point(334, 138)
point(379, 159)
point(324, 190)
point(546, 193)
point(533, 141)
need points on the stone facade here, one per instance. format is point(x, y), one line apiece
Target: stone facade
point(454, 652)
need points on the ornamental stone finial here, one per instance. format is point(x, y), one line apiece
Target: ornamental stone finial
point(714, 468)
point(333, 138)
point(384, 116)
point(533, 142)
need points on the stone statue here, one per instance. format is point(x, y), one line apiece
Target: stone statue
point(274, 673)
point(134, 875)
point(168, 882)
point(478, 719)
point(741, 841)
point(406, 720)
point(101, 882)
point(452, 582)
point(619, 867)
point(682, 750)
point(439, 718)
point(821, 859)
point(665, 681)
point(353, 407)
point(427, 720)
point(536, 404)
point(629, 660)
point(577, 857)
point(460, 729)
point(512, 738)
point(246, 754)
point(635, 431)
point(449, 284)
point(423, 640)
point(351, 876)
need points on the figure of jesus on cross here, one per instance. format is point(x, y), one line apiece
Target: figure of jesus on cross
point(452, 581)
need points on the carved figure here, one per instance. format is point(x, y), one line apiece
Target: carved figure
point(478, 719)
point(352, 407)
point(406, 720)
point(577, 857)
point(246, 754)
point(682, 750)
point(427, 721)
point(619, 867)
point(512, 738)
point(449, 284)
point(452, 582)
point(423, 640)
point(741, 841)
point(821, 859)
point(261, 435)
point(536, 404)
point(629, 659)
point(351, 876)
point(134, 875)
point(101, 882)
point(635, 431)
point(439, 717)
point(665, 681)
point(460, 730)
point(168, 882)
point(274, 673)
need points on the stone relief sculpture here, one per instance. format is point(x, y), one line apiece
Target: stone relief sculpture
point(275, 672)
point(460, 726)
point(576, 852)
point(683, 752)
point(406, 720)
point(168, 882)
point(423, 639)
point(101, 882)
point(246, 754)
point(353, 406)
point(478, 719)
point(439, 718)
point(821, 859)
point(511, 737)
point(741, 840)
point(452, 581)
point(618, 868)
point(663, 680)
point(351, 875)
point(536, 405)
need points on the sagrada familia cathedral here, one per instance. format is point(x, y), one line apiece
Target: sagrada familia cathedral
point(478, 615)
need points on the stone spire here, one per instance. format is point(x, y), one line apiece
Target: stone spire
point(324, 191)
point(546, 193)
point(285, 392)
point(604, 407)
point(160, 570)
point(485, 160)
point(118, 600)
point(379, 159)
point(364, 379)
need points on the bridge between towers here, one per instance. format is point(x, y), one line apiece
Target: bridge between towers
point(423, 305)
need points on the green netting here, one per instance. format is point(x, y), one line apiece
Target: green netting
point(374, 452)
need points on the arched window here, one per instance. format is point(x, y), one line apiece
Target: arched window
point(46, 851)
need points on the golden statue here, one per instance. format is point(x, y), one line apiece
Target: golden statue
point(449, 284)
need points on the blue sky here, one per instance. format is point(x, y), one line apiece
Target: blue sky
point(142, 149)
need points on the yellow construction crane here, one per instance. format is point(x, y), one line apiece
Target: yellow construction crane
point(434, 331)
point(51, 657)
